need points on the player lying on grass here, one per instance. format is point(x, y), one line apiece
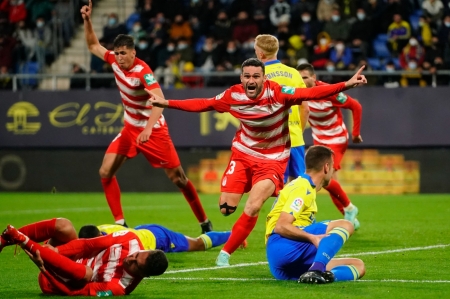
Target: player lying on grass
point(155, 236)
point(297, 247)
point(110, 265)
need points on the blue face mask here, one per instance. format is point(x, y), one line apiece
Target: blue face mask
point(142, 46)
point(112, 21)
point(335, 18)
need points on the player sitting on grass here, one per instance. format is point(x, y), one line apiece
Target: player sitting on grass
point(296, 245)
point(155, 236)
point(111, 265)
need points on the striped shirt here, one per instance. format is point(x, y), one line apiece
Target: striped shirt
point(326, 121)
point(131, 84)
point(263, 134)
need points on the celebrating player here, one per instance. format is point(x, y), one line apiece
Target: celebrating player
point(299, 248)
point(155, 236)
point(145, 128)
point(111, 265)
point(266, 49)
point(328, 129)
point(261, 146)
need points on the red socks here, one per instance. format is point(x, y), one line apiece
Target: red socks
point(338, 195)
point(112, 193)
point(192, 198)
point(240, 231)
point(39, 231)
point(60, 264)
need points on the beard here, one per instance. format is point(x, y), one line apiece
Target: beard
point(253, 93)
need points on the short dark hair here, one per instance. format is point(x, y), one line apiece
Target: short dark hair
point(253, 62)
point(306, 66)
point(89, 231)
point(124, 40)
point(156, 263)
point(316, 156)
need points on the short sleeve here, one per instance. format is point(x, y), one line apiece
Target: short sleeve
point(148, 79)
point(109, 57)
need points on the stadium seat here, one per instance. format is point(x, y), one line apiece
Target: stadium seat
point(375, 63)
point(382, 37)
point(380, 49)
point(414, 21)
point(133, 18)
point(199, 44)
point(396, 62)
point(29, 68)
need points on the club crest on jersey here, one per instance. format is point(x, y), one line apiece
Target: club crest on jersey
point(119, 233)
point(342, 98)
point(287, 90)
point(219, 96)
point(149, 79)
point(297, 204)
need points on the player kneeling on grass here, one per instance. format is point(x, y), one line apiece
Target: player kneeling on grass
point(297, 247)
point(111, 265)
point(154, 236)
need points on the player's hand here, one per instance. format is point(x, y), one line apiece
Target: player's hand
point(144, 136)
point(86, 11)
point(51, 247)
point(357, 79)
point(36, 258)
point(156, 100)
point(316, 239)
point(357, 139)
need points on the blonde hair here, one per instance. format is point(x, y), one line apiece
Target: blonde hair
point(268, 44)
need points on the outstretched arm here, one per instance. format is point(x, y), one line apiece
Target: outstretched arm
point(93, 44)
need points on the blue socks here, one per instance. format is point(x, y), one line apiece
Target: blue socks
point(213, 239)
point(345, 273)
point(328, 247)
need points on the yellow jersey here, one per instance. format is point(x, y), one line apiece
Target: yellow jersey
point(146, 237)
point(288, 76)
point(297, 198)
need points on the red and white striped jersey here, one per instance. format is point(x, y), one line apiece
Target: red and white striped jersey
point(131, 84)
point(264, 130)
point(326, 121)
point(105, 255)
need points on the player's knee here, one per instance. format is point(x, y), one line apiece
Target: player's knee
point(347, 225)
point(104, 172)
point(226, 209)
point(359, 264)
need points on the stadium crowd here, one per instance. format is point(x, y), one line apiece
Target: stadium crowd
point(176, 37)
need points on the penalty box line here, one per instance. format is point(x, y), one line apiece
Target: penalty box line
point(342, 255)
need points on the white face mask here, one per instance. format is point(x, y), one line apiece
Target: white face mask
point(339, 47)
point(182, 46)
point(390, 69)
point(170, 48)
point(136, 28)
point(323, 41)
point(413, 42)
point(306, 19)
point(335, 18)
point(40, 24)
point(447, 24)
point(330, 68)
point(412, 65)
point(142, 46)
point(361, 16)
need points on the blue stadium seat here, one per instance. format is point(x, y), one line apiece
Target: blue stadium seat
point(414, 21)
point(380, 49)
point(375, 63)
point(29, 68)
point(134, 17)
point(199, 45)
point(396, 62)
point(382, 37)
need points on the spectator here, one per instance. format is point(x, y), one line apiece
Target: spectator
point(308, 30)
point(280, 11)
point(330, 78)
point(261, 20)
point(444, 33)
point(391, 80)
point(221, 30)
point(5, 82)
point(209, 56)
point(180, 29)
point(28, 40)
point(347, 8)
point(157, 47)
point(248, 48)
point(137, 32)
point(438, 65)
point(375, 11)
point(164, 55)
point(113, 28)
point(192, 80)
point(434, 9)
point(143, 50)
point(361, 35)
point(232, 58)
point(15, 9)
point(244, 28)
point(412, 52)
point(147, 12)
point(158, 28)
point(39, 9)
point(325, 10)
point(399, 33)
point(185, 52)
point(337, 28)
point(413, 76)
point(221, 80)
point(43, 35)
point(321, 51)
point(424, 32)
point(77, 83)
point(341, 55)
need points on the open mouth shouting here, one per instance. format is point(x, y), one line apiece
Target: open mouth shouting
point(251, 90)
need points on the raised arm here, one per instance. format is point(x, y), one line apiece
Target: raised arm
point(93, 44)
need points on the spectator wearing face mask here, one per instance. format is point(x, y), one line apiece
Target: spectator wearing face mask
point(337, 28)
point(185, 51)
point(244, 28)
point(209, 56)
point(321, 51)
point(424, 32)
point(412, 52)
point(143, 50)
point(434, 9)
point(325, 10)
point(444, 33)
point(221, 30)
point(113, 28)
point(390, 80)
point(180, 29)
point(232, 57)
point(361, 34)
point(308, 30)
point(137, 32)
point(413, 76)
point(158, 28)
point(43, 36)
point(341, 55)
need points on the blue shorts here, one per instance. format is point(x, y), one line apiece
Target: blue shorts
point(296, 164)
point(288, 259)
point(166, 240)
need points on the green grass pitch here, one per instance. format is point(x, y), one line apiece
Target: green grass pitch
point(404, 241)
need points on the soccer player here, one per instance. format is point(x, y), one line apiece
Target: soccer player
point(155, 236)
point(145, 129)
point(328, 129)
point(111, 265)
point(297, 247)
point(266, 49)
point(261, 146)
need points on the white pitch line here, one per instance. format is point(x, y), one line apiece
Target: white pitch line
point(273, 279)
point(343, 255)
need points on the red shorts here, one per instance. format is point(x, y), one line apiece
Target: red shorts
point(158, 150)
point(339, 151)
point(241, 174)
point(46, 286)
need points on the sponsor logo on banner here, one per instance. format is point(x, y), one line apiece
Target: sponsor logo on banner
point(22, 114)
